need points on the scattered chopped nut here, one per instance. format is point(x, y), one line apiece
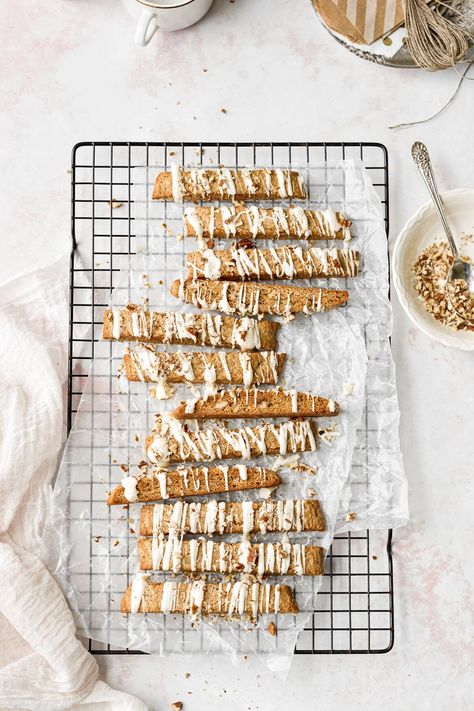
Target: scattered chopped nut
point(351, 516)
point(430, 271)
point(177, 706)
point(115, 204)
point(223, 111)
point(97, 539)
point(187, 675)
point(272, 629)
point(179, 237)
point(374, 557)
point(311, 492)
point(306, 468)
point(115, 543)
point(124, 467)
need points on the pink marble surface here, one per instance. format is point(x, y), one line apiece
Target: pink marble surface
point(69, 71)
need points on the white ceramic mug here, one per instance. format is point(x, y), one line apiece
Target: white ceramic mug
point(168, 15)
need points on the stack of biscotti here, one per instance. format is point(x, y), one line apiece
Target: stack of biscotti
point(183, 528)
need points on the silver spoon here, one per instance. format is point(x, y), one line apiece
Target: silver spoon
point(460, 270)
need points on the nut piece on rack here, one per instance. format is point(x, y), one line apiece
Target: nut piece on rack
point(272, 630)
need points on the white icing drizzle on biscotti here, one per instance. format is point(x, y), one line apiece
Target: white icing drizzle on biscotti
point(200, 479)
point(130, 491)
point(170, 436)
point(285, 187)
point(233, 598)
point(168, 597)
point(139, 325)
point(177, 183)
point(244, 299)
point(248, 182)
point(236, 402)
point(210, 183)
point(246, 334)
point(213, 516)
point(173, 554)
point(137, 594)
point(161, 367)
point(185, 328)
point(212, 264)
point(274, 263)
point(192, 217)
point(116, 324)
point(293, 221)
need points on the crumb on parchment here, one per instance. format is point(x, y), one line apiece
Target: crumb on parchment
point(272, 630)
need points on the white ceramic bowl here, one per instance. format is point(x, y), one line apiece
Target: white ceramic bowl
point(420, 230)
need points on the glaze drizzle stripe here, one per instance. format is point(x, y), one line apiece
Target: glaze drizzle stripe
point(221, 517)
point(190, 329)
point(171, 442)
point(276, 263)
point(198, 598)
point(173, 554)
point(253, 222)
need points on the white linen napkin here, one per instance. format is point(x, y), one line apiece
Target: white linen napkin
point(42, 663)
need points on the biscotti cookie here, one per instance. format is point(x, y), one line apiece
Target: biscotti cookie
point(201, 598)
point(143, 363)
point(240, 263)
point(251, 299)
point(209, 517)
point(252, 222)
point(171, 441)
point(238, 402)
point(199, 555)
point(134, 323)
point(196, 184)
point(191, 481)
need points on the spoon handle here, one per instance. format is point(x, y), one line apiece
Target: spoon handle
point(422, 161)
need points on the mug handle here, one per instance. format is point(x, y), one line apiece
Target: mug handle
point(146, 28)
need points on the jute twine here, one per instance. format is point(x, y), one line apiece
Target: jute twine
point(433, 41)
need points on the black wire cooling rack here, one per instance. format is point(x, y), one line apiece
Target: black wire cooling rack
point(354, 613)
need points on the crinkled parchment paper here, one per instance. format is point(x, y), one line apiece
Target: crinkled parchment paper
point(342, 354)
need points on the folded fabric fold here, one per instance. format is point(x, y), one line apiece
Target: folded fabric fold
point(50, 669)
